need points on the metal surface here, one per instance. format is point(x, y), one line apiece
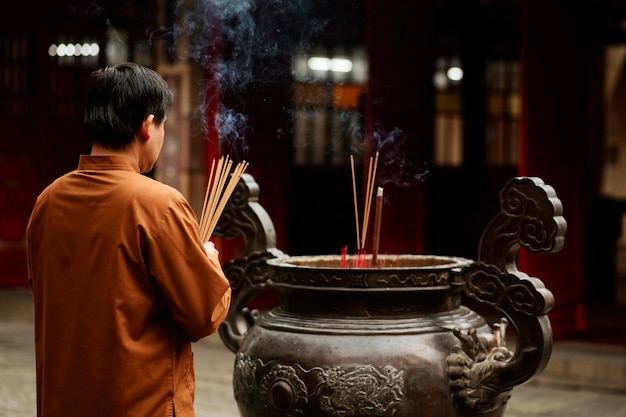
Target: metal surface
point(393, 341)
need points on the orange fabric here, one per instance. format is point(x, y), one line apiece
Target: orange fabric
point(121, 284)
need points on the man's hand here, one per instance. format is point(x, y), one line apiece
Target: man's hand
point(210, 249)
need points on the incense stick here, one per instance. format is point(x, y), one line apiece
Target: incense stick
point(210, 207)
point(216, 195)
point(206, 197)
point(377, 221)
point(356, 207)
point(365, 205)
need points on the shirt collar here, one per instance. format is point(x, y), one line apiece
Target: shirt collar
point(107, 162)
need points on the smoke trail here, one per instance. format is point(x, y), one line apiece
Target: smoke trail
point(247, 46)
point(395, 166)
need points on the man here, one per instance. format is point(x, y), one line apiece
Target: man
point(120, 279)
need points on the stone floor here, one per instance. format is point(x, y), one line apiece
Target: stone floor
point(581, 380)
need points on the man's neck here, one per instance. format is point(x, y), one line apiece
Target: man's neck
point(128, 152)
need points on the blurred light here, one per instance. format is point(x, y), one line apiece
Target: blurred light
point(440, 80)
point(340, 65)
point(455, 73)
point(319, 64)
point(326, 64)
point(61, 50)
point(94, 49)
point(86, 49)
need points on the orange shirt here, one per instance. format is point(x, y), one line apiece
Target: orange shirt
point(121, 284)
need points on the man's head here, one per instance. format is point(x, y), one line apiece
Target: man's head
point(119, 99)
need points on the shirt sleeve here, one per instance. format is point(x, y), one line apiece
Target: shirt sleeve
point(192, 282)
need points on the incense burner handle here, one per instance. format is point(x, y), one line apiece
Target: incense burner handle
point(244, 217)
point(482, 370)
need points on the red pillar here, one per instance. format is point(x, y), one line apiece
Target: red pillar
point(557, 66)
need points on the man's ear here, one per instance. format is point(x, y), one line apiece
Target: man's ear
point(144, 131)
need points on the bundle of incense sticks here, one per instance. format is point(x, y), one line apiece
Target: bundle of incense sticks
point(369, 191)
point(218, 191)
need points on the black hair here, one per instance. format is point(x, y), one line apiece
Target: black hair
point(119, 98)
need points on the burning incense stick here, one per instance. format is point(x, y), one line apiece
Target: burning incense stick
point(377, 221)
point(216, 195)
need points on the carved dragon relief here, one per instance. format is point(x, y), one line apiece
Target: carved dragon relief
point(482, 370)
point(286, 390)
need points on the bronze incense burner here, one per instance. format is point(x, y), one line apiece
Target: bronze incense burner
point(393, 340)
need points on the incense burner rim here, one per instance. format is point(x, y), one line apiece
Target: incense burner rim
point(336, 273)
point(333, 263)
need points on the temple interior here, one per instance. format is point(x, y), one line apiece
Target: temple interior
point(456, 96)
